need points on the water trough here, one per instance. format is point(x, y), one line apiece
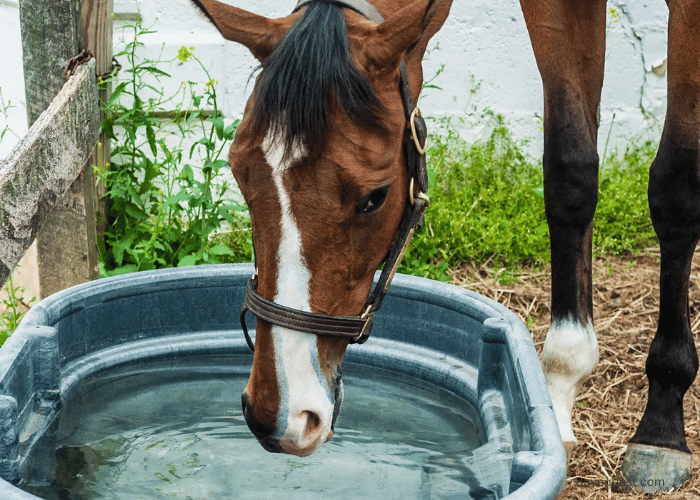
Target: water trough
point(448, 352)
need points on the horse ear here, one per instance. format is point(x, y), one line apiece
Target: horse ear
point(409, 29)
point(258, 33)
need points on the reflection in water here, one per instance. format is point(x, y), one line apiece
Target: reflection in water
point(177, 431)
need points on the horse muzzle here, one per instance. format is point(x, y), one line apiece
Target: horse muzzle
point(263, 433)
point(308, 430)
point(304, 432)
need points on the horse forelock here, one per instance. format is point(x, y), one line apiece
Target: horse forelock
point(309, 71)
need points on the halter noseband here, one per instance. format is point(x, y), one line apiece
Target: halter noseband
point(358, 328)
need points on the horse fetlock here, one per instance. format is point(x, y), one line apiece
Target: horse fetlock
point(570, 351)
point(662, 424)
point(673, 362)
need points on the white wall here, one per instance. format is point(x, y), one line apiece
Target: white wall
point(11, 76)
point(483, 44)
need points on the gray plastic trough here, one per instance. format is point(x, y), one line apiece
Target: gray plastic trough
point(450, 337)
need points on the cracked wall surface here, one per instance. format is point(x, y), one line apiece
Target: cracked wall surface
point(639, 35)
point(484, 47)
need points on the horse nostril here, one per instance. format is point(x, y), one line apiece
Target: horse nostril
point(313, 423)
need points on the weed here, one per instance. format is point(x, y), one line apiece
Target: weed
point(507, 276)
point(622, 222)
point(5, 127)
point(167, 204)
point(487, 201)
point(14, 306)
point(532, 320)
point(429, 83)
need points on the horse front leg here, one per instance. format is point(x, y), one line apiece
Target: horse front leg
point(568, 39)
point(658, 457)
point(570, 351)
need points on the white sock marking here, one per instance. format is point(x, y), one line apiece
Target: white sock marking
point(569, 356)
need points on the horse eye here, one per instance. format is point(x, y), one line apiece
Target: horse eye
point(374, 201)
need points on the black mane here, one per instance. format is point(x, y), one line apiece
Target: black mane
point(309, 68)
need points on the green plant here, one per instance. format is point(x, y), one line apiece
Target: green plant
point(486, 201)
point(622, 222)
point(14, 305)
point(168, 205)
point(429, 82)
point(488, 204)
point(532, 318)
point(5, 128)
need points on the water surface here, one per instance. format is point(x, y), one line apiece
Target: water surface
point(175, 430)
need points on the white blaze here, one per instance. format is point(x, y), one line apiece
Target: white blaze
point(303, 389)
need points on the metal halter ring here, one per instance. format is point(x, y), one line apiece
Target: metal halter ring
point(421, 195)
point(421, 149)
point(368, 316)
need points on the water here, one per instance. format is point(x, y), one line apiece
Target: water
point(176, 431)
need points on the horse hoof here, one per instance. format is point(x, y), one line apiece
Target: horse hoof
point(650, 469)
point(569, 448)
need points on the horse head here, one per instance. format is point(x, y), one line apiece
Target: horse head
point(319, 159)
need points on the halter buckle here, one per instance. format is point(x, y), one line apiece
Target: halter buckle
point(414, 134)
point(421, 195)
point(368, 316)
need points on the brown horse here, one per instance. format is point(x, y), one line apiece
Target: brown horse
point(319, 159)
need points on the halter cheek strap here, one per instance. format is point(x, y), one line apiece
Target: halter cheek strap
point(358, 328)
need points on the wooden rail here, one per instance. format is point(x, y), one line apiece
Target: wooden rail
point(40, 171)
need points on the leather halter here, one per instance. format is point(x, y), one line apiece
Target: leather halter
point(358, 328)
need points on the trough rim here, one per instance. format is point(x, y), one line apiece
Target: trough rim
point(548, 456)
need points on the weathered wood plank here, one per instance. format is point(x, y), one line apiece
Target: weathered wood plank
point(44, 165)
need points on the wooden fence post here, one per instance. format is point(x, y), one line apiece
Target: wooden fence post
point(51, 34)
point(98, 38)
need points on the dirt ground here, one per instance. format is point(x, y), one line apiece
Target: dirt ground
point(626, 302)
